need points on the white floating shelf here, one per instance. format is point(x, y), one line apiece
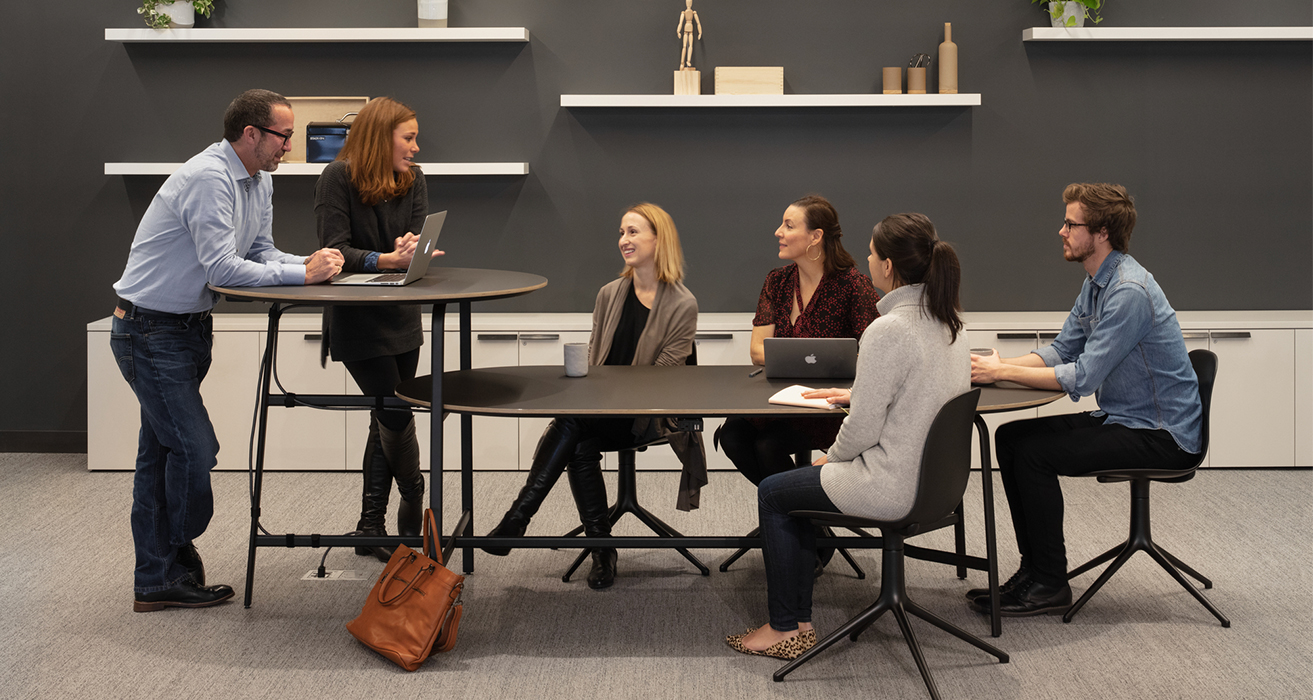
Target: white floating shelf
point(317, 168)
point(325, 34)
point(1167, 34)
point(844, 100)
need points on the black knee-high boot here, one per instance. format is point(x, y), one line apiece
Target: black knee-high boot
point(590, 498)
point(401, 449)
point(374, 497)
point(554, 451)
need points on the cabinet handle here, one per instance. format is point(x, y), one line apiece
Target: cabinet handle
point(1016, 336)
point(713, 336)
point(1229, 335)
point(540, 336)
point(1195, 335)
point(497, 336)
point(314, 336)
point(1048, 336)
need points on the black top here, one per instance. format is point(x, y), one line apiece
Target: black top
point(633, 319)
point(344, 222)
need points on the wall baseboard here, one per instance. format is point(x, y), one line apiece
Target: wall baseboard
point(62, 441)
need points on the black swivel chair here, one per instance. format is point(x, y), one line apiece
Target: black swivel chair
point(945, 467)
point(1141, 537)
point(626, 499)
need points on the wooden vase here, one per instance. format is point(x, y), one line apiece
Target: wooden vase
point(948, 63)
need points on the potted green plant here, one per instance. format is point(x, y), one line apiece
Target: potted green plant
point(1072, 13)
point(161, 14)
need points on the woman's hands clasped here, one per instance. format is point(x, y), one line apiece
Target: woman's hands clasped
point(403, 251)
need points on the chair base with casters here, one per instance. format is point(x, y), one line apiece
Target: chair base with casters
point(801, 459)
point(626, 501)
point(1141, 540)
point(893, 598)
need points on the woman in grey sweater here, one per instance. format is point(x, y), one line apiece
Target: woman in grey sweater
point(913, 360)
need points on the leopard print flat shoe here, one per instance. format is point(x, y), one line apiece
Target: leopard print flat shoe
point(788, 649)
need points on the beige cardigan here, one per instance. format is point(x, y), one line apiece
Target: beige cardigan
point(667, 340)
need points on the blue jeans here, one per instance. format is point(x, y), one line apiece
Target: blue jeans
point(789, 544)
point(164, 358)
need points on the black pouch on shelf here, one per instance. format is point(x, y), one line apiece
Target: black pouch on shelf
point(323, 140)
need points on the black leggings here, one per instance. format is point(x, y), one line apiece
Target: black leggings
point(379, 376)
point(759, 453)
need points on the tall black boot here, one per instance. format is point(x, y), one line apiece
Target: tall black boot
point(374, 497)
point(401, 449)
point(590, 498)
point(554, 451)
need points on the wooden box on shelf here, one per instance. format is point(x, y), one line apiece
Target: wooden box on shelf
point(755, 80)
point(317, 109)
point(688, 82)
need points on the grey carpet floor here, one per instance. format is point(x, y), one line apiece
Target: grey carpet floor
point(67, 627)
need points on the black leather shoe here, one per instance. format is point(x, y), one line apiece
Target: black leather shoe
point(184, 595)
point(1034, 598)
point(602, 575)
point(506, 528)
point(190, 559)
point(1021, 578)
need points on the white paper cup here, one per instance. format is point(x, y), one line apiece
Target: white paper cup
point(576, 359)
point(983, 352)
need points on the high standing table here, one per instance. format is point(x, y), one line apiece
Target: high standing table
point(442, 286)
point(681, 391)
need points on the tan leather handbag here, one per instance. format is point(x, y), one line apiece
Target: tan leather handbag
point(415, 607)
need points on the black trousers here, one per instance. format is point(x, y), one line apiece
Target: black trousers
point(759, 452)
point(379, 376)
point(1032, 454)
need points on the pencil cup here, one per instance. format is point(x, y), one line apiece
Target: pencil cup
point(916, 81)
point(576, 359)
point(893, 80)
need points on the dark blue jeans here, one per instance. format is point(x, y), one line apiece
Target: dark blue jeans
point(164, 359)
point(789, 544)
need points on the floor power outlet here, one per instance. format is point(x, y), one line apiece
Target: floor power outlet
point(335, 575)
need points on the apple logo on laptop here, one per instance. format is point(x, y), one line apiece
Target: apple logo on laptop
point(810, 359)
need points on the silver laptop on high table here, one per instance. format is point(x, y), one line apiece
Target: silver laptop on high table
point(419, 265)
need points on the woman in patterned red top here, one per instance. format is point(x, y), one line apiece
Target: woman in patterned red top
point(820, 295)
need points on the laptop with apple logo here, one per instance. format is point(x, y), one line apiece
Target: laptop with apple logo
point(810, 358)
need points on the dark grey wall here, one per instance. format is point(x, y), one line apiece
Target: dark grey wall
point(1214, 139)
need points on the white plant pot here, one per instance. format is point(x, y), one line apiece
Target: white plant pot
point(181, 13)
point(1066, 13)
point(432, 13)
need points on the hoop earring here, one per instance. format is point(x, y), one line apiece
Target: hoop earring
point(818, 253)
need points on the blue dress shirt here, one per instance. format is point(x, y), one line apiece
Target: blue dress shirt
point(1123, 344)
point(211, 222)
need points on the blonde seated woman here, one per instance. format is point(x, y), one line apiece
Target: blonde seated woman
point(645, 317)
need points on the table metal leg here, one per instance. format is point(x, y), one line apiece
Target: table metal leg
point(466, 444)
point(257, 479)
point(438, 336)
point(991, 543)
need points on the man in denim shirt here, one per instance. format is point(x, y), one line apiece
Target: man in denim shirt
point(210, 223)
point(1123, 344)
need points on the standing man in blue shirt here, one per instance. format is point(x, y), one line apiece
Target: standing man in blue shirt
point(1123, 344)
point(211, 223)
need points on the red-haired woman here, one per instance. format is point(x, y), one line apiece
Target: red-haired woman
point(370, 203)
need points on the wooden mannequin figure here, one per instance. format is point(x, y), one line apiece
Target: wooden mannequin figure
point(684, 30)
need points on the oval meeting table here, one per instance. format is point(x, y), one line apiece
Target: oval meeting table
point(440, 287)
point(685, 391)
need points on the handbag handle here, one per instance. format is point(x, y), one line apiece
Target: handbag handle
point(431, 537)
point(388, 576)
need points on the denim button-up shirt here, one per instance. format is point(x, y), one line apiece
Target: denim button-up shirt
point(1123, 344)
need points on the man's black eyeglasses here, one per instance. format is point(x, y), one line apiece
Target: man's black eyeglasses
point(279, 134)
point(1069, 225)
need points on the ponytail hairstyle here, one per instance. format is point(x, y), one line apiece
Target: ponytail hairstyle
point(909, 241)
point(820, 214)
point(368, 151)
